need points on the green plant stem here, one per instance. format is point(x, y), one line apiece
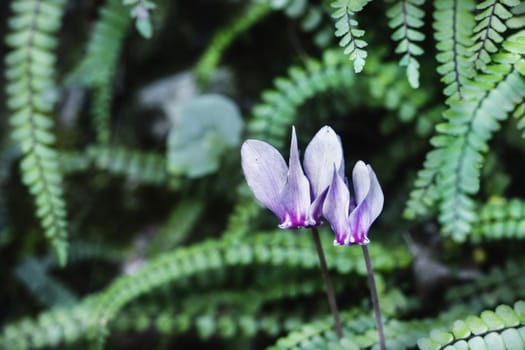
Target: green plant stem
point(328, 283)
point(375, 299)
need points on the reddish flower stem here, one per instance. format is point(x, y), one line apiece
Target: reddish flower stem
point(375, 299)
point(328, 283)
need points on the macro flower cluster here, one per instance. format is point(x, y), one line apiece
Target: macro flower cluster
point(300, 198)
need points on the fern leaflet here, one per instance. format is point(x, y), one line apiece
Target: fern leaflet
point(97, 68)
point(451, 171)
point(347, 28)
point(502, 329)
point(30, 86)
point(405, 19)
point(453, 24)
point(489, 29)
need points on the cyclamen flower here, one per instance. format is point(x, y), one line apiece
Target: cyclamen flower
point(295, 198)
point(351, 220)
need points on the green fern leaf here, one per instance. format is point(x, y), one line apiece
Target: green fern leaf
point(500, 219)
point(208, 61)
point(489, 30)
point(98, 66)
point(453, 24)
point(498, 329)
point(451, 172)
point(347, 29)
point(30, 90)
point(406, 17)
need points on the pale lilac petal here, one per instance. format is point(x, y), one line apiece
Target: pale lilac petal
point(335, 208)
point(296, 194)
point(367, 211)
point(265, 171)
point(360, 223)
point(375, 198)
point(361, 181)
point(321, 154)
point(316, 209)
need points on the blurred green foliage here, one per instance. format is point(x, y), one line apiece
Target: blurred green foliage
point(137, 134)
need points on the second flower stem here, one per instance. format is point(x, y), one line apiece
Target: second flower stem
point(375, 299)
point(328, 283)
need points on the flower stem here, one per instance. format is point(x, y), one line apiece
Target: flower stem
point(375, 299)
point(328, 283)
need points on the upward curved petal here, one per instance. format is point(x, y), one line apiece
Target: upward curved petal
point(375, 198)
point(335, 208)
point(296, 193)
point(361, 181)
point(321, 154)
point(367, 211)
point(265, 171)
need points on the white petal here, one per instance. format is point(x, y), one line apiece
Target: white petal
point(361, 181)
point(321, 154)
point(265, 171)
point(375, 198)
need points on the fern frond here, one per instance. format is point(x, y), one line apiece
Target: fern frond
point(500, 219)
point(260, 249)
point(103, 48)
point(224, 37)
point(97, 68)
point(502, 328)
point(243, 214)
point(226, 324)
point(406, 17)
point(490, 26)
point(273, 117)
point(61, 325)
point(453, 24)
point(30, 90)
point(359, 330)
point(177, 227)
point(347, 28)
point(451, 171)
point(502, 284)
point(138, 167)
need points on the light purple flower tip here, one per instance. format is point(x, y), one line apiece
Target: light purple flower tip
point(351, 225)
point(296, 199)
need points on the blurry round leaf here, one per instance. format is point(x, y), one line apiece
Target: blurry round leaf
point(206, 128)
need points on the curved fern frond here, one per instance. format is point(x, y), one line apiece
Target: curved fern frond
point(347, 28)
point(490, 26)
point(502, 328)
point(500, 219)
point(406, 17)
point(453, 24)
point(224, 37)
point(30, 90)
point(97, 68)
point(177, 227)
point(273, 117)
point(263, 249)
point(138, 167)
point(360, 333)
point(451, 171)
